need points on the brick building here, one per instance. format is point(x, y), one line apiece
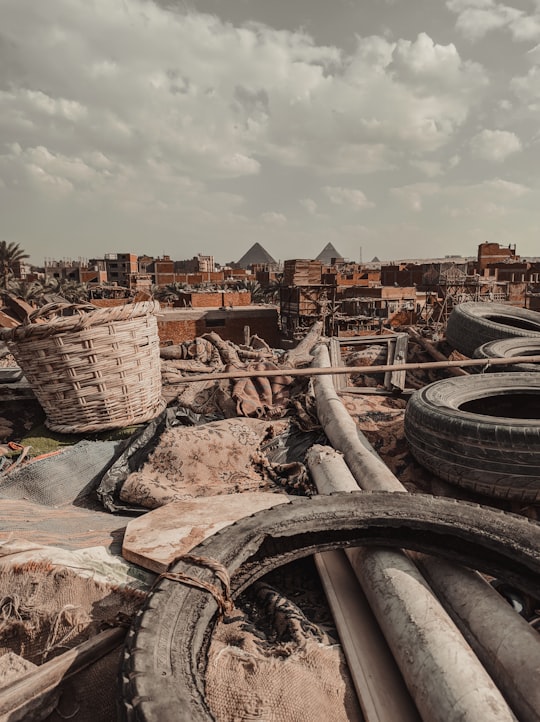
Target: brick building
point(178, 325)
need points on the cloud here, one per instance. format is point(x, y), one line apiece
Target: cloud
point(412, 196)
point(489, 199)
point(274, 219)
point(350, 197)
point(526, 27)
point(477, 18)
point(429, 168)
point(527, 87)
point(134, 121)
point(507, 188)
point(495, 145)
point(309, 204)
point(216, 101)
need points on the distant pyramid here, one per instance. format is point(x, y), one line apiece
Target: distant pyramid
point(327, 253)
point(256, 254)
point(375, 260)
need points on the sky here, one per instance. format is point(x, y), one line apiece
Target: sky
point(389, 128)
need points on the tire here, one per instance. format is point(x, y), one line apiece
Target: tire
point(481, 432)
point(166, 650)
point(505, 348)
point(472, 324)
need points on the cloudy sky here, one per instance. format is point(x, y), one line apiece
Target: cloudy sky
point(395, 128)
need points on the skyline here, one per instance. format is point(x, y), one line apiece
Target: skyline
point(389, 128)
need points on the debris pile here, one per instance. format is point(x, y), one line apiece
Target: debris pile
point(271, 430)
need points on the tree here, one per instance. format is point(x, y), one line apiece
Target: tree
point(272, 291)
point(29, 291)
point(64, 289)
point(73, 291)
point(254, 287)
point(169, 293)
point(10, 253)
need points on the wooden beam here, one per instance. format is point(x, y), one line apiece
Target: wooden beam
point(19, 699)
point(330, 370)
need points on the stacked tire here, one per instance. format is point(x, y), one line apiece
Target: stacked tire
point(509, 347)
point(480, 432)
point(471, 325)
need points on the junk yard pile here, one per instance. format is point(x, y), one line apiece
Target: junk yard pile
point(346, 529)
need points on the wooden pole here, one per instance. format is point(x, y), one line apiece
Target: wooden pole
point(433, 352)
point(21, 698)
point(318, 371)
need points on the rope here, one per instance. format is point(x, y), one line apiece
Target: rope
point(223, 598)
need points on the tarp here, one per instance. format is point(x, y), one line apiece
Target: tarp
point(52, 500)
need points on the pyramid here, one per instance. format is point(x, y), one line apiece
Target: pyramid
point(327, 253)
point(256, 254)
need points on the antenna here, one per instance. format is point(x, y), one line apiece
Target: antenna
point(360, 261)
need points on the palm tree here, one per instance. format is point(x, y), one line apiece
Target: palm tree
point(30, 291)
point(169, 293)
point(10, 253)
point(52, 291)
point(73, 291)
point(272, 291)
point(63, 289)
point(254, 287)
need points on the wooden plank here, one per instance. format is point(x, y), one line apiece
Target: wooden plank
point(390, 353)
point(155, 539)
point(19, 700)
point(397, 378)
point(18, 307)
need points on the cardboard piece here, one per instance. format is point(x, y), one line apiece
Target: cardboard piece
point(155, 539)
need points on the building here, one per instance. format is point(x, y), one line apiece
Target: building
point(121, 267)
point(494, 253)
point(176, 325)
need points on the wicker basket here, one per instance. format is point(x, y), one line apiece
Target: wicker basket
point(96, 369)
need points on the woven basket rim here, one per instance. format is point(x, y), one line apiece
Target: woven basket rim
point(95, 316)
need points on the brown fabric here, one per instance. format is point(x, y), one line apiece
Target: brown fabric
point(12, 667)
point(215, 458)
point(297, 675)
point(199, 349)
point(207, 397)
point(260, 396)
point(46, 609)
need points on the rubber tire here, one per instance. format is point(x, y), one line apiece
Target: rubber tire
point(494, 455)
point(507, 347)
point(165, 655)
point(472, 324)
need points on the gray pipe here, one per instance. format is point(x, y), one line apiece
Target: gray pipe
point(442, 673)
